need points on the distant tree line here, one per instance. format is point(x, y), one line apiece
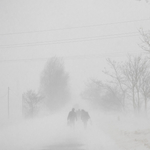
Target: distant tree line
point(30, 101)
point(53, 92)
point(127, 90)
point(129, 86)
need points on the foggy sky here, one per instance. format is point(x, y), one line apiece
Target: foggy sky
point(36, 21)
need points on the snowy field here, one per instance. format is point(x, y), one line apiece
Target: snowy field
point(105, 132)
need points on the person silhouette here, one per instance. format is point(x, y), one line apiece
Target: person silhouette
point(72, 117)
point(85, 117)
point(78, 112)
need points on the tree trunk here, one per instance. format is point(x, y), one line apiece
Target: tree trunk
point(145, 98)
point(134, 105)
point(138, 101)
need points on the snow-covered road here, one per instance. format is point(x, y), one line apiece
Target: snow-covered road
point(129, 133)
point(52, 133)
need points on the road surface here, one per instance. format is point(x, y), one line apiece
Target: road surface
point(64, 146)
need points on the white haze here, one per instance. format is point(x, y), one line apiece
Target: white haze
point(21, 67)
point(48, 130)
point(51, 130)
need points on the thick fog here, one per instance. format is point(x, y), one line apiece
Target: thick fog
point(51, 132)
point(75, 57)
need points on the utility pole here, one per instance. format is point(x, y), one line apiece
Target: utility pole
point(8, 102)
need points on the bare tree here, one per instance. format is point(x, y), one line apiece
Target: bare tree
point(30, 101)
point(129, 78)
point(113, 99)
point(102, 96)
point(145, 89)
point(145, 40)
point(134, 70)
point(117, 79)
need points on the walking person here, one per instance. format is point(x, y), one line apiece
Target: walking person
point(78, 112)
point(72, 117)
point(85, 117)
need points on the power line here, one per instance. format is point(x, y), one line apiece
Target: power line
point(64, 57)
point(84, 39)
point(77, 27)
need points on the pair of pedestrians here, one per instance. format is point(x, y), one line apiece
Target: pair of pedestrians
point(74, 116)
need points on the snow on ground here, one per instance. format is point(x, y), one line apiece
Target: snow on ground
point(129, 133)
point(105, 132)
point(33, 133)
point(52, 130)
